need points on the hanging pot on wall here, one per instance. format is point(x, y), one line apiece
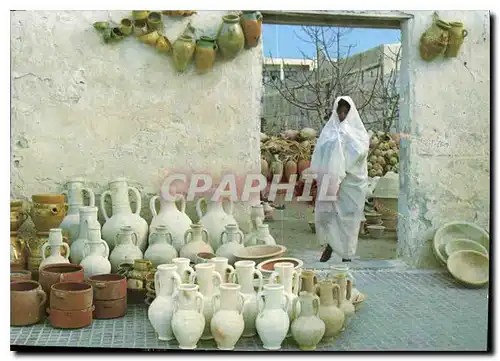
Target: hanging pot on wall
point(204, 57)
point(183, 52)
point(251, 22)
point(230, 36)
point(457, 34)
point(434, 40)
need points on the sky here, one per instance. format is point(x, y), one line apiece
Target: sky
point(284, 41)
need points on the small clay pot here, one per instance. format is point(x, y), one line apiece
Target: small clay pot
point(48, 211)
point(59, 272)
point(26, 303)
point(108, 287)
point(20, 275)
point(70, 319)
point(71, 296)
point(110, 308)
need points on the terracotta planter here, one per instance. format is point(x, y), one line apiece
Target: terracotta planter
point(20, 275)
point(108, 287)
point(230, 37)
point(48, 211)
point(71, 296)
point(19, 252)
point(106, 309)
point(61, 272)
point(251, 22)
point(26, 303)
point(70, 319)
point(206, 51)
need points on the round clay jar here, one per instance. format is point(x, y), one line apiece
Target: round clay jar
point(27, 301)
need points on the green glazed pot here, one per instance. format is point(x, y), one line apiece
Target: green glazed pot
point(230, 37)
point(183, 52)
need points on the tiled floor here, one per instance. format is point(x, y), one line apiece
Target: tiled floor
point(404, 310)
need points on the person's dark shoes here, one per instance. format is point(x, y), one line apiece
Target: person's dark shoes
point(346, 260)
point(327, 254)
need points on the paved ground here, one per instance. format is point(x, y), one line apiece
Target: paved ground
point(405, 310)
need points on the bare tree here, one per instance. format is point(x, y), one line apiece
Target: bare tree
point(336, 72)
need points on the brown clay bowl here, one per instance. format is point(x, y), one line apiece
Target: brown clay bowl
point(70, 319)
point(109, 287)
point(59, 272)
point(267, 267)
point(110, 308)
point(20, 275)
point(260, 253)
point(204, 257)
point(26, 303)
point(71, 296)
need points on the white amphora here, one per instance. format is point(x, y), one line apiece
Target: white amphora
point(122, 214)
point(307, 329)
point(231, 242)
point(244, 276)
point(264, 236)
point(184, 270)
point(88, 216)
point(95, 254)
point(75, 189)
point(329, 312)
point(55, 243)
point(171, 216)
point(208, 280)
point(160, 249)
point(215, 219)
point(338, 270)
point(257, 218)
point(345, 294)
point(161, 310)
point(126, 250)
point(223, 267)
point(284, 273)
point(272, 322)
point(227, 323)
point(194, 242)
point(188, 321)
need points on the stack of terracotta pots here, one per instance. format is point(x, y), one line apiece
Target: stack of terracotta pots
point(27, 301)
point(71, 305)
point(59, 272)
point(110, 295)
point(47, 211)
point(18, 253)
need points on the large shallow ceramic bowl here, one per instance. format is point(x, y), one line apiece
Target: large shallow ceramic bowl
point(463, 245)
point(469, 267)
point(267, 267)
point(458, 230)
point(260, 253)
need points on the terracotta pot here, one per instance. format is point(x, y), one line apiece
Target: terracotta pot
point(26, 301)
point(206, 50)
point(105, 309)
point(59, 272)
point(70, 319)
point(20, 275)
point(48, 211)
point(251, 22)
point(19, 251)
point(71, 296)
point(108, 287)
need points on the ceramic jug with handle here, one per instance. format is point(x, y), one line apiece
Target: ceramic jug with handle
point(307, 328)
point(188, 321)
point(96, 253)
point(215, 219)
point(231, 242)
point(160, 250)
point(54, 243)
point(88, 217)
point(194, 242)
point(126, 250)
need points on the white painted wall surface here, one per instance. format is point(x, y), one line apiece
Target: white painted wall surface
point(446, 115)
point(81, 108)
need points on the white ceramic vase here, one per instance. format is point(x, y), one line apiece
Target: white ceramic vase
point(257, 218)
point(55, 243)
point(161, 310)
point(215, 219)
point(307, 329)
point(126, 250)
point(244, 276)
point(329, 312)
point(194, 242)
point(231, 242)
point(88, 217)
point(122, 214)
point(222, 267)
point(188, 321)
point(175, 219)
point(264, 237)
point(160, 249)
point(272, 322)
point(75, 189)
point(184, 270)
point(207, 280)
point(95, 255)
point(227, 323)
point(345, 294)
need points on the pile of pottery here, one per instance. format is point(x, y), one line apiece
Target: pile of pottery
point(385, 201)
point(235, 33)
point(220, 302)
point(73, 302)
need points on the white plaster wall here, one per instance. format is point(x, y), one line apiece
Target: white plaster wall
point(446, 116)
point(82, 108)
